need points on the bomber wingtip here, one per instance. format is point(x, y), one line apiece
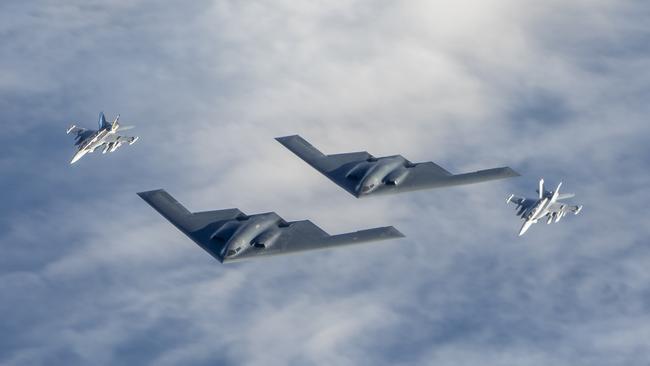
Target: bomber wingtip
point(396, 233)
point(285, 138)
point(513, 173)
point(145, 194)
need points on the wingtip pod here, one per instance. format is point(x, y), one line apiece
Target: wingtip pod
point(578, 210)
point(70, 128)
point(510, 198)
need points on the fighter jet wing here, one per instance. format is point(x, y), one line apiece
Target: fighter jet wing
point(521, 201)
point(75, 130)
point(562, 208)
point(114, 138)
point(230, 235)
point(340, 169)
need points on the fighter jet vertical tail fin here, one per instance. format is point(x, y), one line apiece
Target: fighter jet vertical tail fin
point(541, 188)
point(556, 192)
point(115, 123)
point(102, 121)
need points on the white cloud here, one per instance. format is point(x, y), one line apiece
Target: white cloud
point(93, 275)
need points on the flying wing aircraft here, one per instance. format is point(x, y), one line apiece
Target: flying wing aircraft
point(362, 174)
point(106, 137)
point(546, 205)
point(230, 235)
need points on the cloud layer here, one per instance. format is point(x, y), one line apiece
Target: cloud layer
point(91, 275)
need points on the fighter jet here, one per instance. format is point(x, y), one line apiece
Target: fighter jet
point(546, 205)
point(230, 235)
point(105, 137)
point(362, 174)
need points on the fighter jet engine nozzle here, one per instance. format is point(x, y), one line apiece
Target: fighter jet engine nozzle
point(397, 176)
point(266, 238)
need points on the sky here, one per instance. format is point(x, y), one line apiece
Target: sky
point(91, 275)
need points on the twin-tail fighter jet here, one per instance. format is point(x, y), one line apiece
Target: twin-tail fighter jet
point(105, 137)
point(362, 174)
point(547, 205)
point(230, 235)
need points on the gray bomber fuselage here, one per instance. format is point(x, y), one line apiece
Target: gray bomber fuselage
point(381, 171)
point(257, 231)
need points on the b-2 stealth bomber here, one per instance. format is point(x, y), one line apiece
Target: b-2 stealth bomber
point(362, 174)
point(105, 137)
point(230, 235)
point(546, 205)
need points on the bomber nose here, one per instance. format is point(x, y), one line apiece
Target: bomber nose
point(367, 188)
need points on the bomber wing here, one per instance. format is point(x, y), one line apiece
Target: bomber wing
point(338, 168)
point(214, 231)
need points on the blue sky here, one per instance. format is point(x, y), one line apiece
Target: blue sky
point(89, 274)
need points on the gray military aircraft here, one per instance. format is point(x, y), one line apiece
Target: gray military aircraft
point(546, 205)
point(362, 174)
point(106, 136)
point(230, 235)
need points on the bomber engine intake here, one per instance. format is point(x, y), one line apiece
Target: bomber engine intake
point(397, 176)
point(266, 239)
point(225, 232)
point(358, 171)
